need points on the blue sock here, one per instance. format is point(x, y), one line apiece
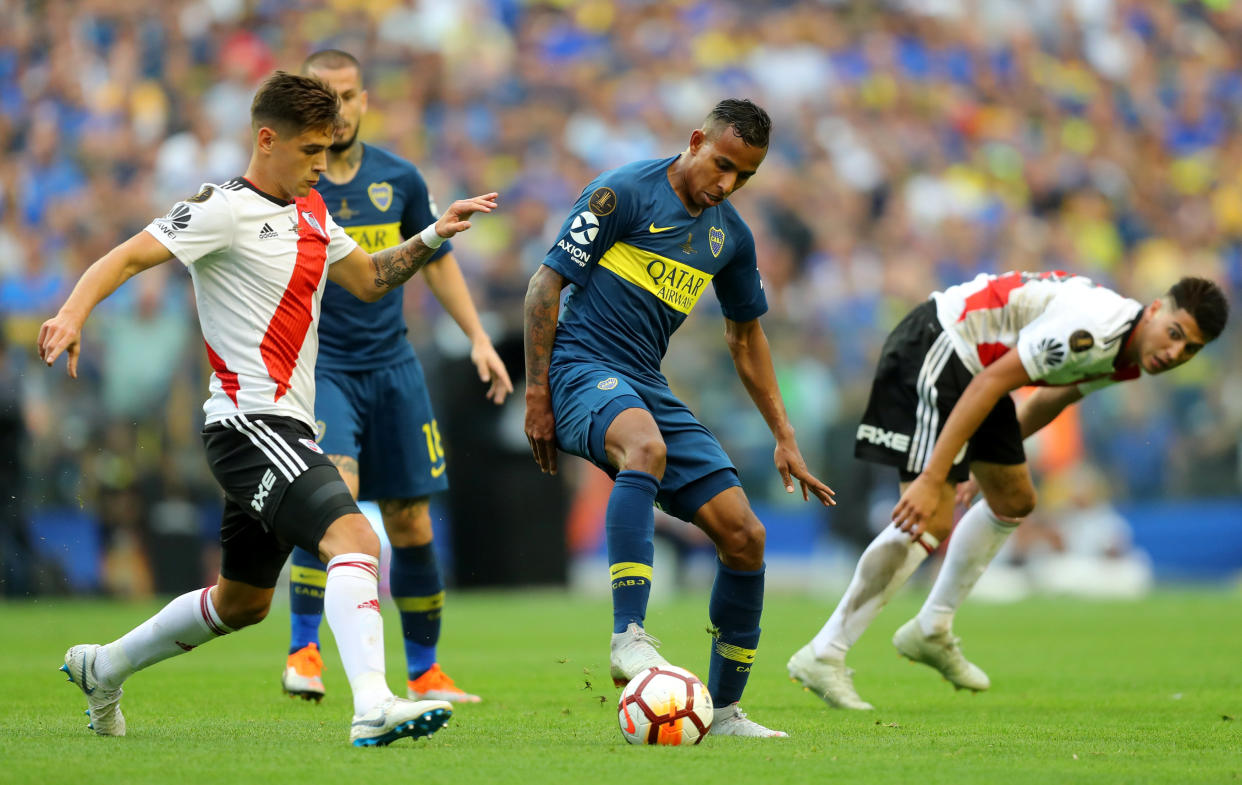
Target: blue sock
point(735, 608)
point(307, 576)
point(418, 592)
point(629, 526)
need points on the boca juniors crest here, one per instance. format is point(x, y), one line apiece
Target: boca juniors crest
point(715, 240)
point(381, 195)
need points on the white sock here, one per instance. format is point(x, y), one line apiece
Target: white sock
point(351, 606)
point(888, 562)
point(975, 541)
point(186, 622)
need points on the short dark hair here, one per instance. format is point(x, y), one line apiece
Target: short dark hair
point(1203, 300)
point(331, 59)
point(291, 103)
point(745, 117)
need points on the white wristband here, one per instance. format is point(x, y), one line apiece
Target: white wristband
point(431, 238)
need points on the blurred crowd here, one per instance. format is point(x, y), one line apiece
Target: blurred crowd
point(916, 144)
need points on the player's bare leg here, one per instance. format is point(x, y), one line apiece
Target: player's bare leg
point(418, 592)
point(634, 445)
point(884, 567)
point(735, 607)
point(1008, 497)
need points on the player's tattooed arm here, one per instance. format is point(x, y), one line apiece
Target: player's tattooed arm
point(542, 307)
point(370, 276)
point(543, 303)
point(394, 266)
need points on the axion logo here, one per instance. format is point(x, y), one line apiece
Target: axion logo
point(584, 228)
point(882, 438)
point(265, 487)
point(581, 257)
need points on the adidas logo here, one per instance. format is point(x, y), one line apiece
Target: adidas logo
point(267, 232)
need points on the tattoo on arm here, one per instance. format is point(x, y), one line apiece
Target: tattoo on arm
point(395, 266)
point(542, 307)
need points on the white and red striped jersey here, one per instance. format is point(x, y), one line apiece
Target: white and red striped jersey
point(259, 264)
point(1067, 330)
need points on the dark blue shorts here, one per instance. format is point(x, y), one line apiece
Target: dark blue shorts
point(382, 418)
point(587, 397)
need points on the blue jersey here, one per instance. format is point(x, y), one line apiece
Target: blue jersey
point(385, 203)
point(638, 262)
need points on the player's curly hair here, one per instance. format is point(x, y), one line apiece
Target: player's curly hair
point(292, 104)
point(1203, 300)
point(747, 119)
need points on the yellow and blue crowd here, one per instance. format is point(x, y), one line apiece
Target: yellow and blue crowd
point(915, 144)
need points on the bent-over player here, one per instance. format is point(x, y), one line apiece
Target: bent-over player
point(941, 411)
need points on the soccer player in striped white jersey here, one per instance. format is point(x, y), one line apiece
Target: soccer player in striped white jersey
point(259, 249)
point(941, 413)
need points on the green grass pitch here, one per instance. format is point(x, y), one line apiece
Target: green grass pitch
point(1148, 691)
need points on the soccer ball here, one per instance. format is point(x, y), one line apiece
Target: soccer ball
point(665, 705)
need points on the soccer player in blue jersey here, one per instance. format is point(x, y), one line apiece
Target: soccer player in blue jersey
point(374, 416)
point(641, 245)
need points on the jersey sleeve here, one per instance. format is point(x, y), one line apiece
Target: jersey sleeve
point(340, 244)
point(197, 226)
point(1045, 345)
point(420, 210)
point(604, 211)
point(739, 289)
point(1091, 385)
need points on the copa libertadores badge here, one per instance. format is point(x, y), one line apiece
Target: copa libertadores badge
point(603, 201)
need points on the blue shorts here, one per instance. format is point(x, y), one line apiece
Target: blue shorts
point(382, 418)
point(587, 397)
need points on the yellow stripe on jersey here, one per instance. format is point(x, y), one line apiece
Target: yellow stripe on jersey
point(735, 653)
point(678, 285)
point(375, 237)
point(420, 604)
point(629, 569)
point(308, 575)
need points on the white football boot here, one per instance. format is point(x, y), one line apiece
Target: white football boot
point(732, 721)
point(396, 718)
point(633, 652)
point(828, 678)
point(941, 652)
point(104, 705)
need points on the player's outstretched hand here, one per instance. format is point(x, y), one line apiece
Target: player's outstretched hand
point(788, 460)
point(917, 506)
point(541, 429)
point(966, 492)
point(457, 217)
point(491, 371)
point(61, 334)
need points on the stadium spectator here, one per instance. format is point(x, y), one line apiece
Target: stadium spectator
point(1042, 134)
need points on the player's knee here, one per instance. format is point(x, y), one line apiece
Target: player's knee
point(407, 521)
point(238, 612)
point(741, 547)
point(349, 534)
point(1018, 503)
point(647, 455)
